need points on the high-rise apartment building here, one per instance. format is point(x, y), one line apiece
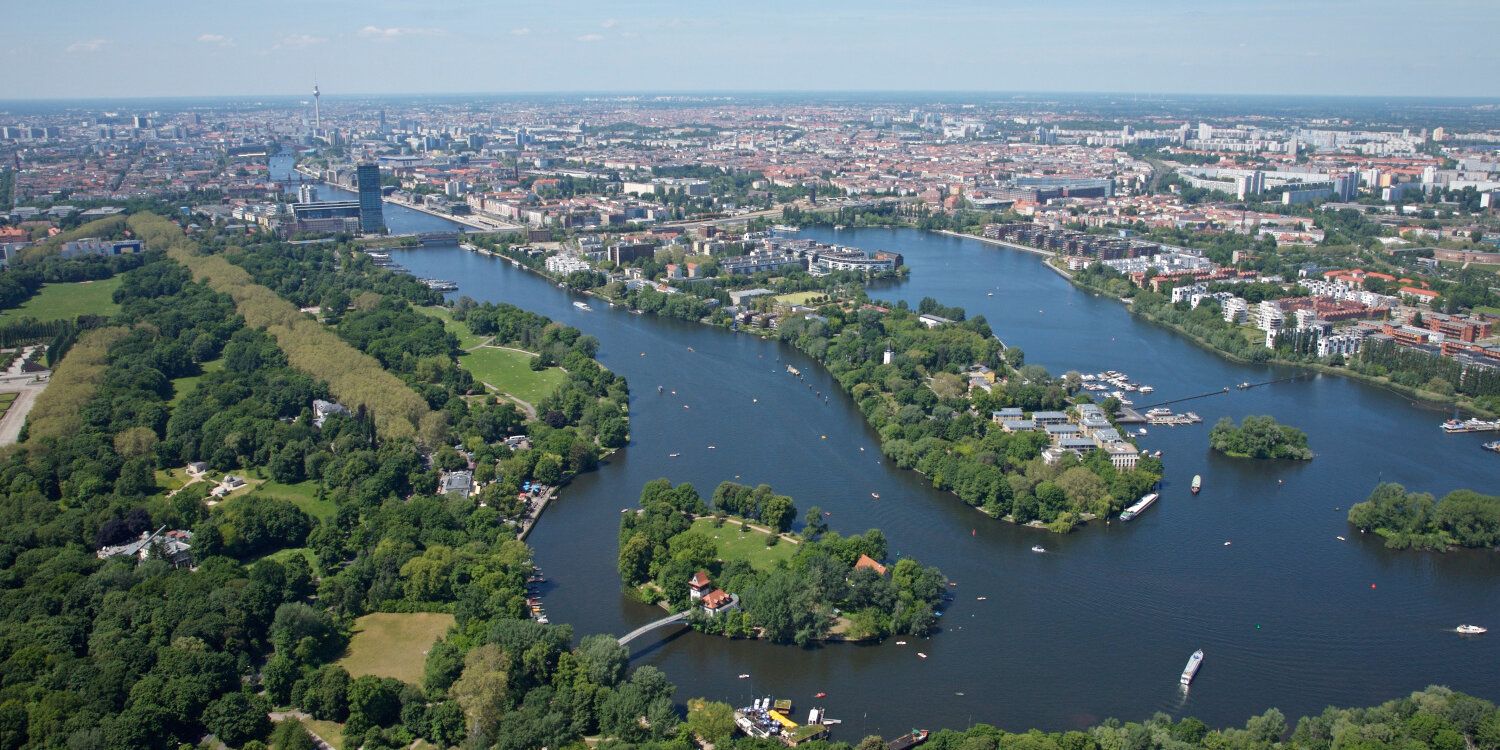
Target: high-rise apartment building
point(371, 212)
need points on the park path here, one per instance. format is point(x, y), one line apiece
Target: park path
point(27, 390)
point(303, 717)
point(762, 528)
point(525, 405)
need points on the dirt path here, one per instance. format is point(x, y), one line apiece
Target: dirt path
point(525, 406)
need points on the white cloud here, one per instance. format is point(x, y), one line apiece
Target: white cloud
point(297, 41)
point(591, 38)
point(609, 23)
point(523, 31)
point(87, 45)
point(219, 39)
point(396, 32)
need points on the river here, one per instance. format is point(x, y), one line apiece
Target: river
point(1102, 623)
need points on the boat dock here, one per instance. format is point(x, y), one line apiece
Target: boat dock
point(1454, 427)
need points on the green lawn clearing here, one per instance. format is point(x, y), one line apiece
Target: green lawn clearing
point(68, 301)
point(466, 339)
point(799, 298)
point(282, 555)
point(182, 386)
point(304, 495)
point(331, 733)
point(749, 546)
point(172, 479)
point(510, 371)
point(390, 644)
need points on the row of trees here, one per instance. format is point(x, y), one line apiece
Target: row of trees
point(1419, 369)
point(587, 414)
point(354, 378)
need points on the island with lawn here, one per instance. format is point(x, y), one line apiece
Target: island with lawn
point(739, 573)
point(1259, 437)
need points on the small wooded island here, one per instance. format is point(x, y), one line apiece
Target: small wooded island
point(743, 577)
point(1414, 520)
point(1259, 437)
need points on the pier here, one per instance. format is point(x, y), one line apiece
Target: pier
point(1220, 392)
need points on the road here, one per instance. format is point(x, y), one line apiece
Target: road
point(27, 385)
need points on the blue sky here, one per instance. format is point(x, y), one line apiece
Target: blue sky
point(116, 48)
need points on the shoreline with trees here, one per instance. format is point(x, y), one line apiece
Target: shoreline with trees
point(1206, 327)
point(927, 412)
point(826, 587)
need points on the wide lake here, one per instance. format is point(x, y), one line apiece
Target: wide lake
point(1101, 624)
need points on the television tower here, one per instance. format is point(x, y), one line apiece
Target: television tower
point(317, 110)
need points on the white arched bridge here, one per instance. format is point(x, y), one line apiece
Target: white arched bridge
point(734, 603)
point(650, 626)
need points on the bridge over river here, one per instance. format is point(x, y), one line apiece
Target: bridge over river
point(734, 603)
point(650, 626)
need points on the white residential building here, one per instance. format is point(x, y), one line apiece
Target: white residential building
point(566, 264)
point(1236, 309)
point(1344, 344)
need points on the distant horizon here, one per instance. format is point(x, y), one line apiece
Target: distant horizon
point(889, 93)
point(90, 49)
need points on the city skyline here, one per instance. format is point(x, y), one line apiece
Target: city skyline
point(397, 46)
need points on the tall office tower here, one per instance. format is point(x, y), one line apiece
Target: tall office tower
point(371, 213)
point(317, 108)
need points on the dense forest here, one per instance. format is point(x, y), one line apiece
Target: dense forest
point(1259, 437)
point(139, 653)
point(815, 593)
point(1462, 518)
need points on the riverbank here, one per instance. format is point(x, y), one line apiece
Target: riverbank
point(999, 243)
point(1039, 620)
point(952, 467)
point(1429, 398)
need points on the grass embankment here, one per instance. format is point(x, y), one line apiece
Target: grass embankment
point(6, 399)
point(391, 644)
point(509, 371)
point(749, 545)
point(67, 301)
